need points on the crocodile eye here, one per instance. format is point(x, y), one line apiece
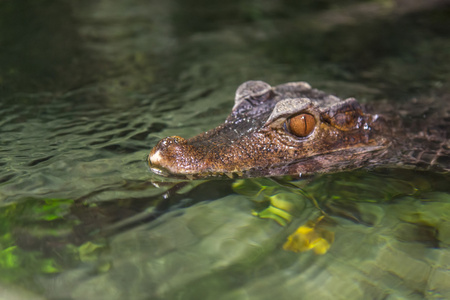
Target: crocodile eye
point(301, 125)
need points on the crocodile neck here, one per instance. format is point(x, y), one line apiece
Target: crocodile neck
point(419, 133)
point(259, 139)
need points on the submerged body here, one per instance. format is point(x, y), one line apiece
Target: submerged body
point(292, 129)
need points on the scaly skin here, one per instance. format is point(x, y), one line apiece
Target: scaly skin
point(255, 141)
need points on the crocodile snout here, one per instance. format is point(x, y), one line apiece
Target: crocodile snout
point(171, 155)
point(166, 147)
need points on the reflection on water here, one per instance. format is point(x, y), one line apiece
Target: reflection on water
point(86, 90)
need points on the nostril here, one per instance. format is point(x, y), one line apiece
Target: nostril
point(171, 140)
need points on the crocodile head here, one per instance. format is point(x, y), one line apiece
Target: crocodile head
point(289, 129)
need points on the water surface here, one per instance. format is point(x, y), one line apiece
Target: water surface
point(87, 88)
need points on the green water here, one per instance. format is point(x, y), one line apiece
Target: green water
point(88, 87)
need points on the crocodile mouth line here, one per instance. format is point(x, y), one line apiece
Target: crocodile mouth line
point(161, 171)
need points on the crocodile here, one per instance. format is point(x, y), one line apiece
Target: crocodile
point(294, 129)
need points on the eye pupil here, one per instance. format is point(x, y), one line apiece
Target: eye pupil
point(301, 125)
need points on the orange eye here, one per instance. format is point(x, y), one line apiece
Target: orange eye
point(301, 125)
